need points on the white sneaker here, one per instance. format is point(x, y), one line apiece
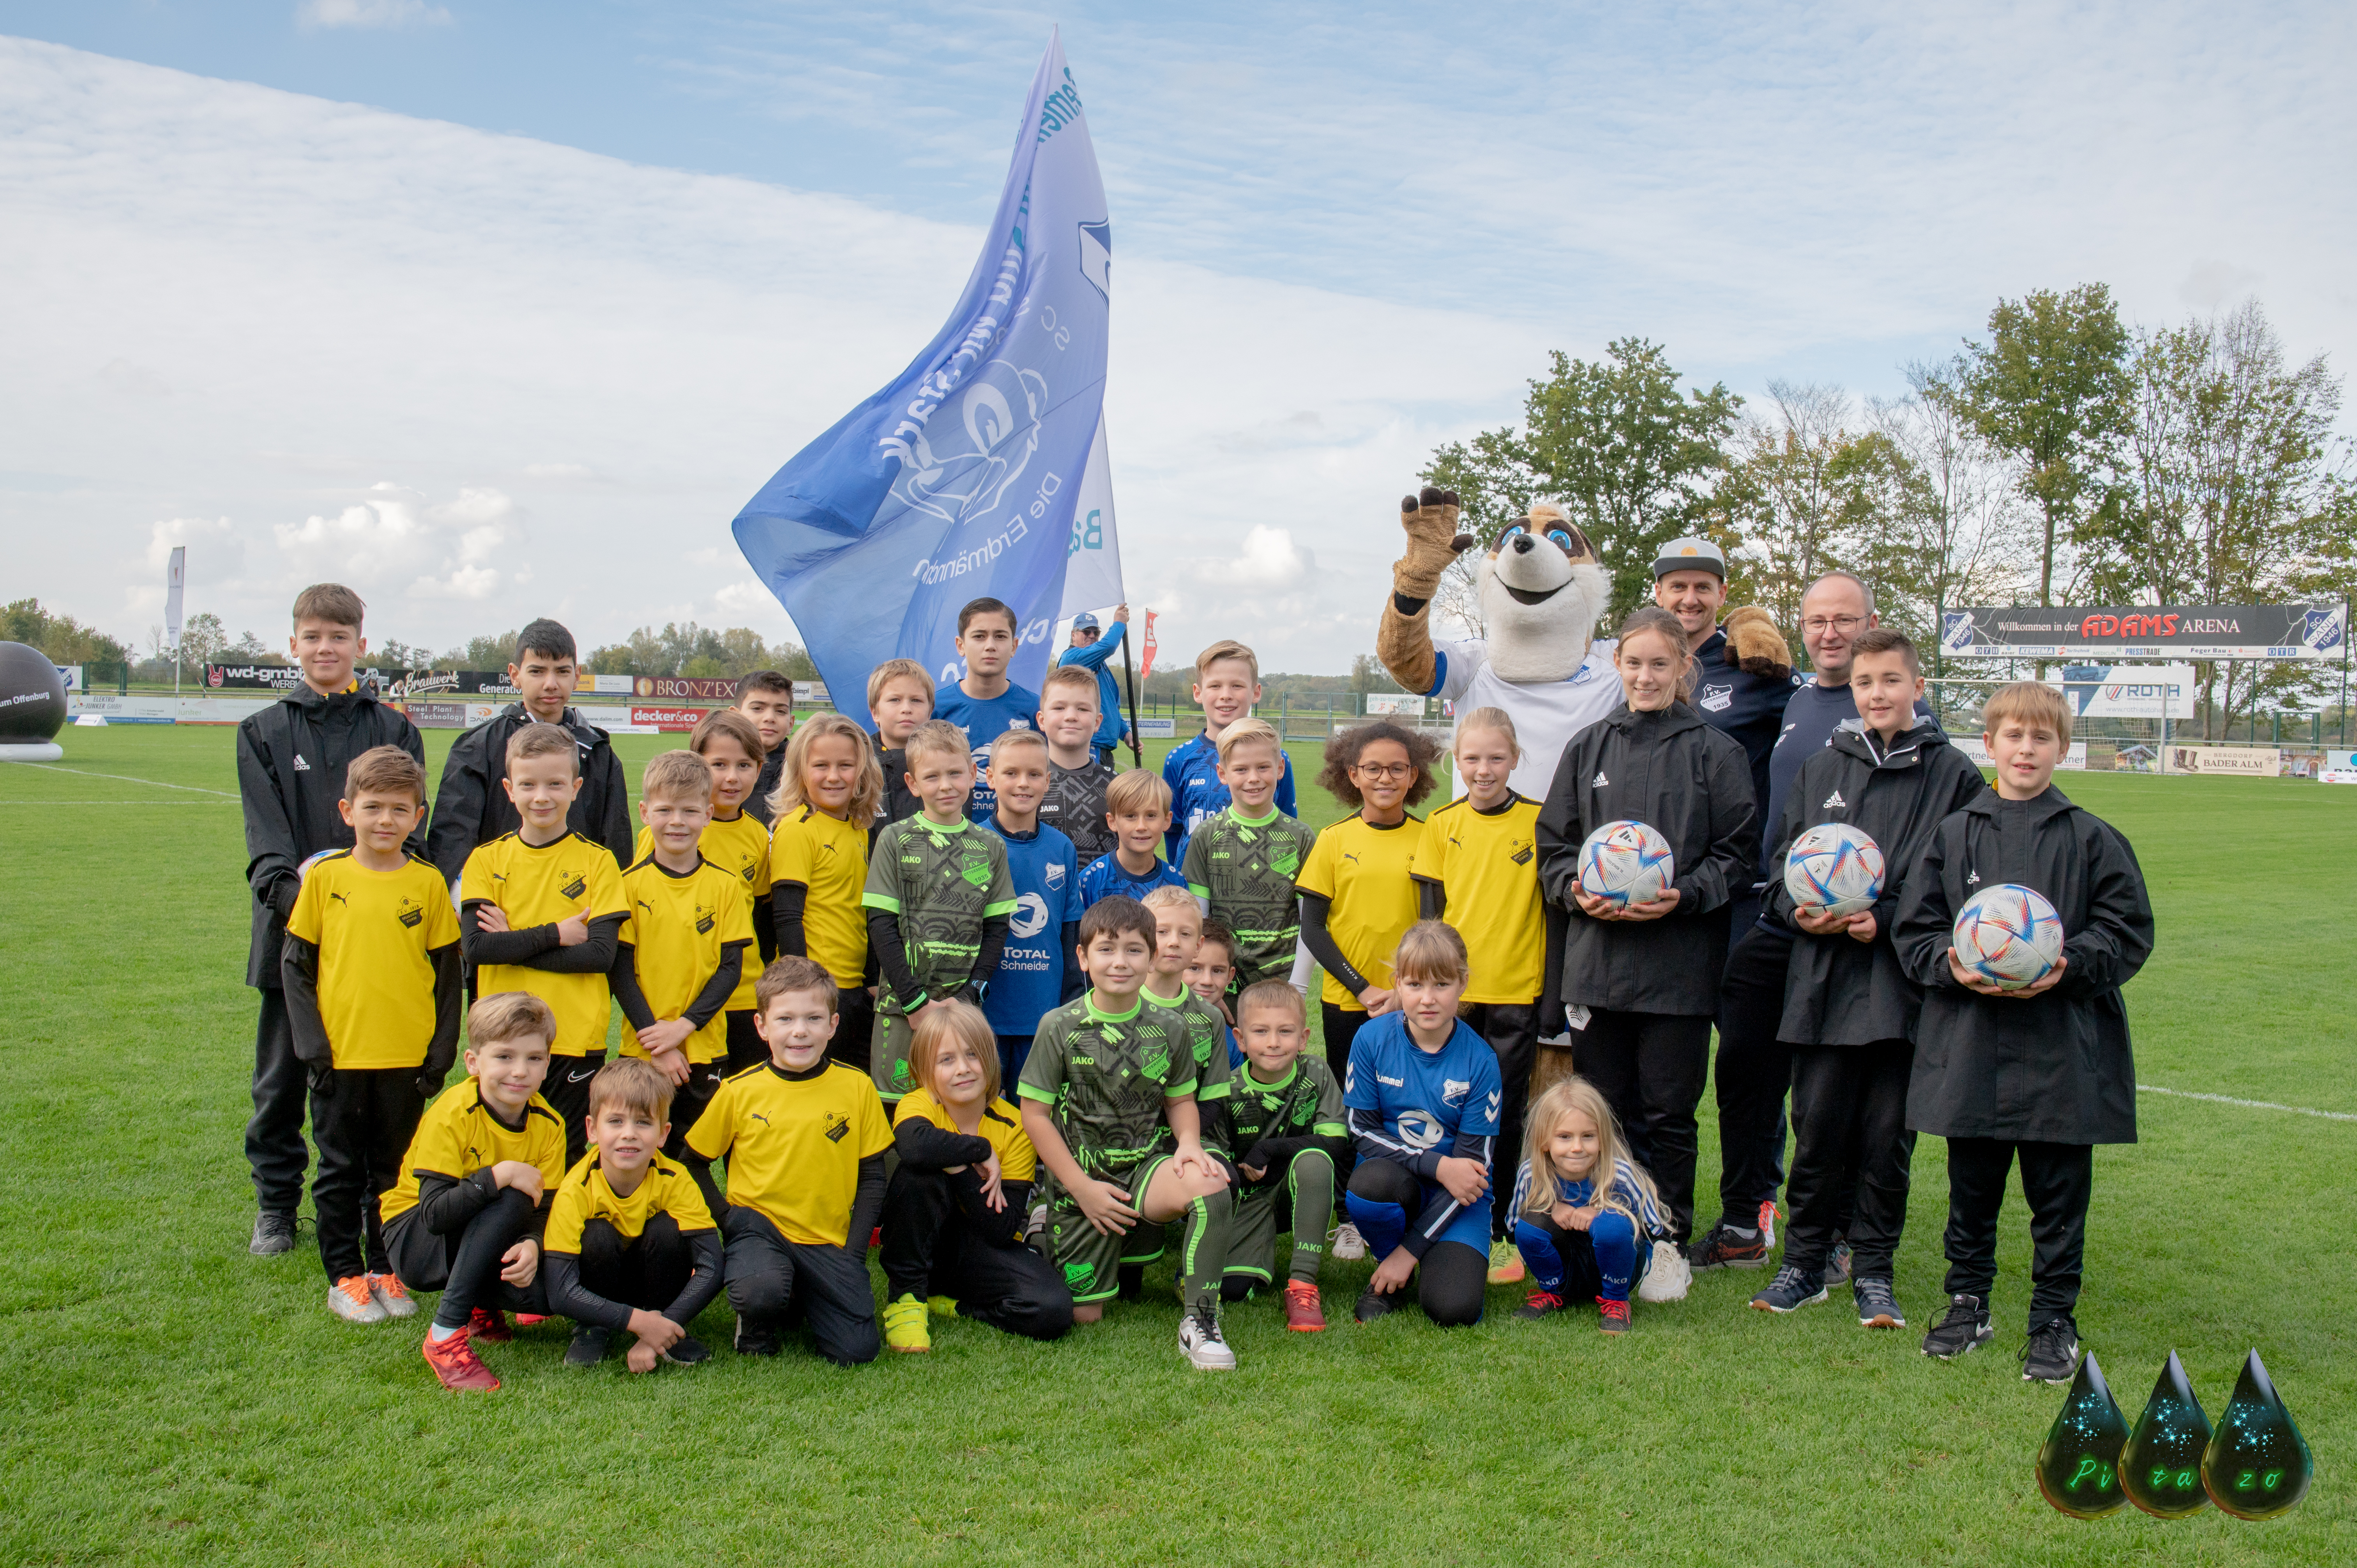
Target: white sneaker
point(1035, 1224)
point(1199, 1342)
point(1667, 1277)
point(351, 1299)
point(1346, 1244)
point(391, 1295)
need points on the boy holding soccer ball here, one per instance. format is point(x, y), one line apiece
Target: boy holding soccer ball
point(2038, 1069)
point(1849, 1009)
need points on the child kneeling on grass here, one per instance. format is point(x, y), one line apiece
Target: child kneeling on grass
point(1423, 1093)
point(466, 1216)
point(1585, 1215)
point(630, 1246)
point(804, 1140)
point(1285, 1119)
point(1109, 1102)
point(953, 1212)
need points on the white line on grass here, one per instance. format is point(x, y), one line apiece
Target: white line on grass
point(2249, 1104)
point(127, 779)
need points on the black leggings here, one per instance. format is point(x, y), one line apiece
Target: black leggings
point(1341, 1025)
point(466, 1267)
point(938, 1241)
point(1649, 1068)
point(1451, 1276)
point(362, 1120)
point(1512, 1029)
point(769, 1276)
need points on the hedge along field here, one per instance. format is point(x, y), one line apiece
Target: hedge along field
point(169, 1398)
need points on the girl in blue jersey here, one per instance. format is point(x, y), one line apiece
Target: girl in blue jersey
point(1585, 1213)
point(1423, 1095)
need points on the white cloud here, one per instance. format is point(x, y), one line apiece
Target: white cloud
point(442, 550)
point(369, 13)
point(216, 536)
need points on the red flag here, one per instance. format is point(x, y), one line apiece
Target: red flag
point(1146, 667)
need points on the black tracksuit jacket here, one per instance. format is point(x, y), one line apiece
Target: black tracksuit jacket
point(470, 808)
point(291, 758)
point(2056, 1068)
point(1692, 784)
point(1839, 991)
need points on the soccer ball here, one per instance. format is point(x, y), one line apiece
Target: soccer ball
point(1625, 863)
point(1834, 869)
point(2008, 934)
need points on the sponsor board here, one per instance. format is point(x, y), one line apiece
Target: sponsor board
point(2144, 631)
point(619, 685)
point(1157, 729)
point(436, 716)
point(683, 687)
point(669, 721)
point(407, 683)
point(2338, 776)
point(166, 710)
point(2249, 761)
point(605, 718)
point(811, 692)
point(1395, 703)
point(2129, 692)
point(1976, 749)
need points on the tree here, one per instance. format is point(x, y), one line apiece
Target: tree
point(2051, 389)
point(202, 641)
point(1631, 458)
point(394, 654)
point(1972, 531)
point(63, 638)
point(693, 650)
point(481, 653)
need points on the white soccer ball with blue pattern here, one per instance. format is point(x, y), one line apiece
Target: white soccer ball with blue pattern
point(2008, 934)
point(1834, 869)
point(1625, 863)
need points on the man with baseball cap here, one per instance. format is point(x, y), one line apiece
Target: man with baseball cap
point(1090, 650)
point(1743, 697)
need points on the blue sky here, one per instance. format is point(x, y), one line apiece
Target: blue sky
point(1383, 215)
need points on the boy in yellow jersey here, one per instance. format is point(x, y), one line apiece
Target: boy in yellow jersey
point(466, 1216)
point(938, 898)
point(804, 1140)
point(954, 1213)
point(1243, 860)
point(1476, 867)
point(371, 970)
point(630, 1246)
point(828, 797)
point(680, 951)
point(538, 911)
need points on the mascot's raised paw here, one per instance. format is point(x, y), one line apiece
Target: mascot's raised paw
point(1755, 644)
point(1433, 541)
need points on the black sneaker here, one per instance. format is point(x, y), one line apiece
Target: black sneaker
point(755, 1339)
point(273, 1233)
point(1543, 1304)
point(1374, 1303)
point(589, 1344)
point(1877, 1307)
point(687, 1350)
point(1961, 1330)
point(1791, 1289)
point(1132, 1281)
point(1837, 1261)
point(1725, 1247)
point(2053, 1353)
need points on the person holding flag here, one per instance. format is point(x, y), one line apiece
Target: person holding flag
point(1091, 646)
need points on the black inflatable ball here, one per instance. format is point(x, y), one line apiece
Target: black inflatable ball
point(32, 696)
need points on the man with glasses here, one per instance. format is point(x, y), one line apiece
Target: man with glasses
point(1753, 1071)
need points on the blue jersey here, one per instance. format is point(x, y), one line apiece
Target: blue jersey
point(1029, 981)
point(1192, 771)
point(1414, 1106)
point(1105, 877)
point(1111, 725)
point(985, 719)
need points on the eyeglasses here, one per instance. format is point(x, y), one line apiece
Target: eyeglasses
point(1383, 770)
point(1818, 625)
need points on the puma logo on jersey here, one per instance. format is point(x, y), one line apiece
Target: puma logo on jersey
point(761, 1117)
point(341, 899)
point(1600, 778)
point(1834, 802)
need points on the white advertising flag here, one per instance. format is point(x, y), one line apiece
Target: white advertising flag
point(1093, 560)
point(176, 577)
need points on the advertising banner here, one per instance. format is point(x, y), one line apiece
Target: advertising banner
point(2130, 691)
point(436, 716)
point(2144, 631)
point(1971, 746)
point(619, 685)
point(1157, 729)
point(669, 721)
point(408, 683)
point(1395, 703)
point(683, 687)
point(2248, 761)
point(811, 692)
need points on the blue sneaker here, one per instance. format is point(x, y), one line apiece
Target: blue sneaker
point(1790, 1289)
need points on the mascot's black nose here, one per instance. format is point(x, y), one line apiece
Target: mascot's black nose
point(1522, 545)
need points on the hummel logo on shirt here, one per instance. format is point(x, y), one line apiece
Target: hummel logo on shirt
point(1600, 778)
point(301, 766)
point(1834, 802)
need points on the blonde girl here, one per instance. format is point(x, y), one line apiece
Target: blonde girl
point(1476, 867)
point(1584, 1212)
point(953, 1212)
point(826, 798)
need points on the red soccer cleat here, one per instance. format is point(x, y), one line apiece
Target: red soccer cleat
point(1304, 1313)
point(488, 1326)
point(454, 1361)
point(530, 1319)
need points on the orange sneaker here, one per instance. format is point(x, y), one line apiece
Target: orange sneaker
point(392, 1295)
point(1304, 1313)
point(454, 1361)
point(530, 1319)
point(490, 1326)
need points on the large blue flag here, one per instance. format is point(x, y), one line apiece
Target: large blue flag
point(958, 480)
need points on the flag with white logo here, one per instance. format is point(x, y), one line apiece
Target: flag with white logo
point(961, 478)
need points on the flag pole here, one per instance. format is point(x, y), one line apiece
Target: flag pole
point(1129, 680)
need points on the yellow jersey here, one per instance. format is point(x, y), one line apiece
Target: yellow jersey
point(1001, 1123)
point(1489, 862)
point(793, 1143)
point(539, 885)
point(678, 928)
point(829, 857)
point(1363, 870)
point(461, 1133)
point(585, 1195)
point(375, 932)
point(740, 845)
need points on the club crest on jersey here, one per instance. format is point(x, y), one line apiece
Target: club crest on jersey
point(575, 884)
point(1522, 856)
point(704, 921)
point(1286, 865)
point(975, 868)
point(1453, 1090)
point(1716, 699)
point(1055, 875)
point(838, 1126)
point(410, 913)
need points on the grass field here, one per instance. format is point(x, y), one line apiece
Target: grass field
point(169, 1399)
